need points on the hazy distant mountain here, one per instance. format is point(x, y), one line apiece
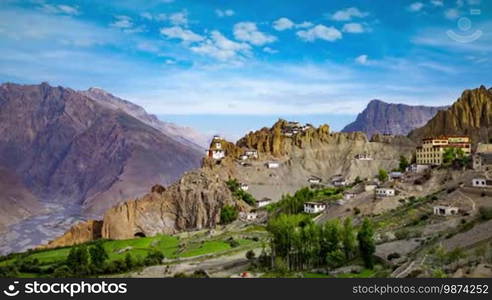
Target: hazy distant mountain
point(185, 135)
point(388, 118)
point(68, 148)
point(470, 115)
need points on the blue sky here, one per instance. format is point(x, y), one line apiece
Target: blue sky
point(211, 63)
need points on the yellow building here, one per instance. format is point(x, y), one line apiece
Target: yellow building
point(432, 149)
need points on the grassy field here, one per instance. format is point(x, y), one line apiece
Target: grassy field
point(173, 247)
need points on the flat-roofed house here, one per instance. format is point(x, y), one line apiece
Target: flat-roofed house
point(482, 158)
point(314, 180)
point(263, 202)
point(481, 182)
point(445, 210)
point(272, 165)
point(385, 192)
point(314, 207)
point(431, 152)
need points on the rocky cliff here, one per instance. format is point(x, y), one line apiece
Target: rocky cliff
point(67, 148)
point(78, 234)
point(470, 115)
point(388, 118)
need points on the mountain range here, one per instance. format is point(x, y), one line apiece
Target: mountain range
point(86, 151)
point(388, 118)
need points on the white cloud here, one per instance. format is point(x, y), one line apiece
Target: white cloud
point(248, 32)
point(416, 7)
point(151, 17)
point(283, 24)
point(348, 14)
point(270, 50)
point(353, 28)
point(148, 47)
point(321, 32)
point(224, 13)
point(60, 9)
point(438, 3)
point(362, 59)
point(179, 18)
point(123, 22)
point(177, 32)
point(222, 48)
point(304, 24)
point(452, 14)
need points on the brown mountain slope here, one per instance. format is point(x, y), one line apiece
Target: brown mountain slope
point(69, 149)
point(16, 201)
point(470, 115)
point(388, 118)
point(185, 135)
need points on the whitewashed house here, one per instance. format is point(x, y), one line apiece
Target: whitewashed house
point(314, 207)
point(396, 175)
point(340, 182)
point(251, 154)
point(244, 187)
point(348, 196)
point(263, 202)
point(272, 165)
point(481, 182)
point(243, 157)
point(314, 180)
point(248, 216)
point(414, 168)
point(385, 192)
point(363, 156)
point(445, 210)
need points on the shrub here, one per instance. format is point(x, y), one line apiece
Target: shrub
point(356, 210)
point(154, 257)
point(228, 214)
point(485, 213)
point(250, 255)
point(402, 234)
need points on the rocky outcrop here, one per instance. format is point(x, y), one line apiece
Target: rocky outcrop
point(393, 119)
point(68, 148)
point(80, 233)
point(470, 115)
point(194, 202)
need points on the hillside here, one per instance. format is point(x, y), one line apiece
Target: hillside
point(195, 201)
point(470, 115)
point(185, 135)
point(388, 118)
point(78, 157)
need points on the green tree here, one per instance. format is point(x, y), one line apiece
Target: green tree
point(383, 175)
point(228, 214)
point(78, 261)
point(403, 163)
point(449, 156)
point(367, 247)
point(129, 261)
point(349, 239)
point(98, 255)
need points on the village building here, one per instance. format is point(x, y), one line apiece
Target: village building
point(243, 157)
point(482, 158)
point(385, 192)
point(432, 150)
point(363, 156)
point(445, 210)
point(244, 187)
point(481, 182)
point(415, 168)
point(314, 207)
point(340, 182)
point(263, 202)
point(272, 165)
point(251, 154)
point(348, 196)
point(314, 180)
point(248, 216)
point(216, 152)
point(396, 175)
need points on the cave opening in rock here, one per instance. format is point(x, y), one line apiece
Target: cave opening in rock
point(139, 235)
